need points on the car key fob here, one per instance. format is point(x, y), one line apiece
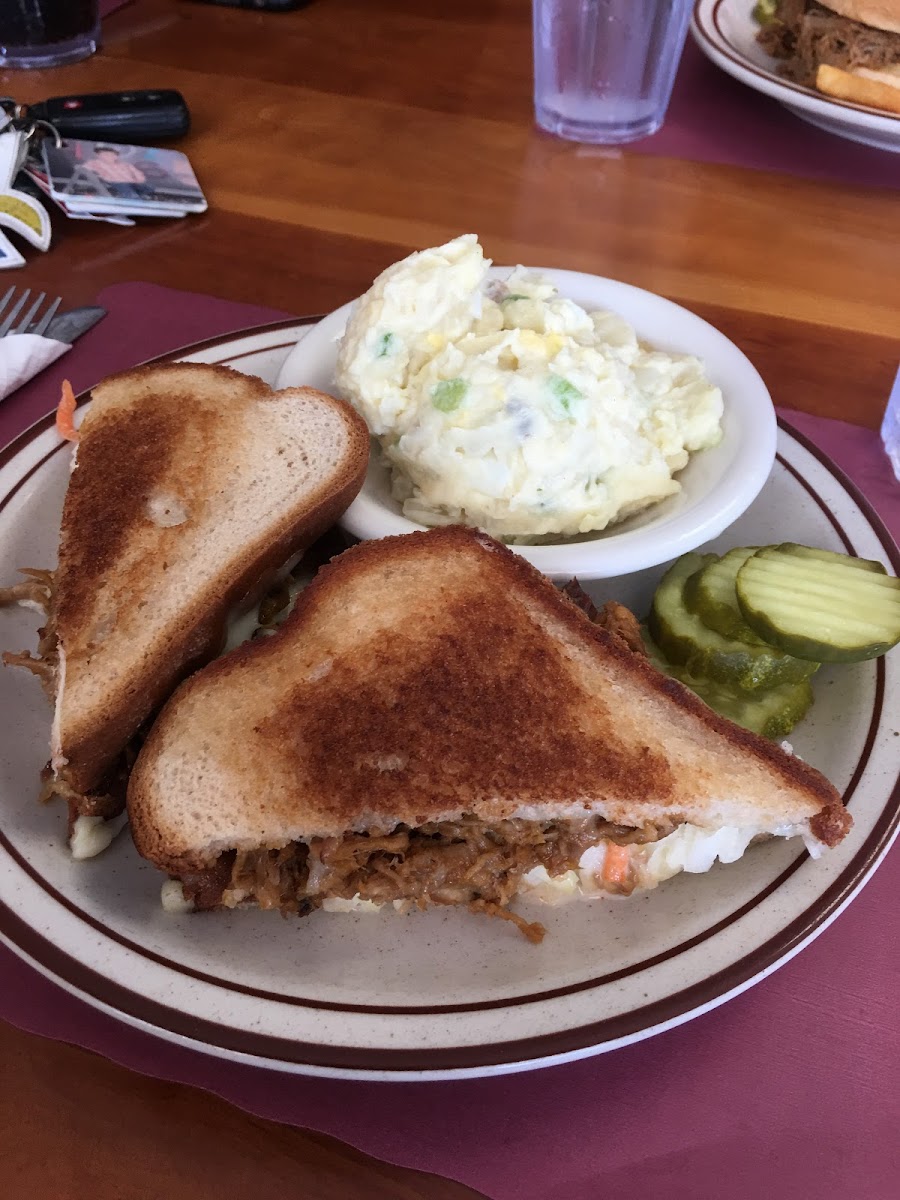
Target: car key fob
point(138, 117)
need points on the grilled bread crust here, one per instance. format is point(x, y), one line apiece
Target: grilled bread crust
point(192, 485)
point(434, 674)
point(880, 14)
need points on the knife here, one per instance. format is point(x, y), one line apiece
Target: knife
point(72, 324)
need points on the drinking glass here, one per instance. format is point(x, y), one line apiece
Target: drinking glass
point(47, 33)
point(604, 69)
point(890, 426)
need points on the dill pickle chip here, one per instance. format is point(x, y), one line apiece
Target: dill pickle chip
point(819, 605)
point(864, 564)
point(771, 712)
point(700, 651)
point(710, 593)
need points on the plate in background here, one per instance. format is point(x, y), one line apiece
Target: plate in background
point(726, 33)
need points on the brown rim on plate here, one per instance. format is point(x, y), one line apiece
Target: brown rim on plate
point(727, 51)
point(137, 1008)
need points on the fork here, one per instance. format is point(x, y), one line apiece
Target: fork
point(28, 324)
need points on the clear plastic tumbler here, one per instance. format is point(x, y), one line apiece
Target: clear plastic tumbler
point(47, 33)
point(604, 69)
point(890, 426)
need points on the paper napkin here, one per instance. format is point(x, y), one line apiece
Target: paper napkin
point(24, 355)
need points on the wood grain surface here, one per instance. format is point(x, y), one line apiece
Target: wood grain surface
point(331, 141)
point(73, 1126)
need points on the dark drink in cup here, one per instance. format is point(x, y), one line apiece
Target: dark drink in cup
point(47, 33)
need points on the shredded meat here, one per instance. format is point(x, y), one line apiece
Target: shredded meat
point(533, 930)
point(279, 598)
point(623, 624)
point(453, 862)
point(449, 862)
point(613, 617)
point(582, 600)
point(45, 671)
point(273, 878)
point(805, 34)
point(274, 603)
point(36, 589)
point(107, 800)
point(205, 888)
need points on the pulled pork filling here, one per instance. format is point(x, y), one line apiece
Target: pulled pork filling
point(107, 800)
point(448, 862)
point(805, 34)
point(36, 591)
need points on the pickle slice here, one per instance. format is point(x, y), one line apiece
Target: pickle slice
point(710, 593)
point(820, 605)
point(690, 644)
point(771, 712)
point(864, 564)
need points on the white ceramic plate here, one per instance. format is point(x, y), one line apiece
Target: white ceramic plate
point(726, 33)
point(439, 994)
point(716, 485)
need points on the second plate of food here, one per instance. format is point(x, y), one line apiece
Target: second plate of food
point(726, 32)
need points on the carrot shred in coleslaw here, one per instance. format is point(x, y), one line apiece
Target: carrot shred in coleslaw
point(615, 864)
point(65, 413)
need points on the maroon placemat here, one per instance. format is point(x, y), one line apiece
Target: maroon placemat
point(142, 321)
point(789, 1091)
point(714, 118)
point(108, 7)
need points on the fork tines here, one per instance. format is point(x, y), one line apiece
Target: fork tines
point(29, 322)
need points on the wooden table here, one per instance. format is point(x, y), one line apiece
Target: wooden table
point(330, 142)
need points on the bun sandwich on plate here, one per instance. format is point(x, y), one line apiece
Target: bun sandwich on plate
point(435, 723)
point(848, 49)
point(190, 486)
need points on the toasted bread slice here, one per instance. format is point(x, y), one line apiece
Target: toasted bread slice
point(880, 14)
point(191, 483)
point(437, 674)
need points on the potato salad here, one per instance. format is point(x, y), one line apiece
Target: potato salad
point(506, 406)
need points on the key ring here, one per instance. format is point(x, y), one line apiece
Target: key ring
point(19, 211)
point(39, 124)
point(12, 111)
point(18, 117)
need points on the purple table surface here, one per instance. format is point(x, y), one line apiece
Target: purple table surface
point(714, 118)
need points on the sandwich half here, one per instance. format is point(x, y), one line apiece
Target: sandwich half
point(435, 723)
point(191, 486)
point(848, 49)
